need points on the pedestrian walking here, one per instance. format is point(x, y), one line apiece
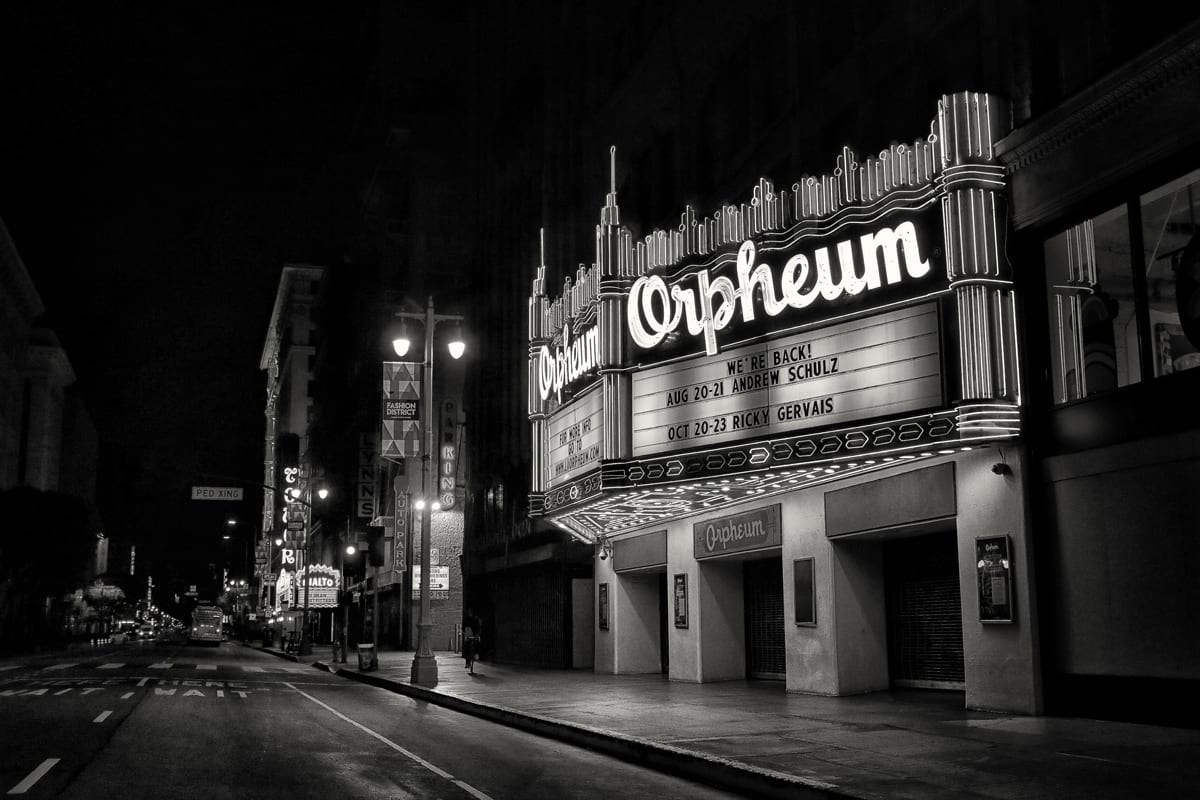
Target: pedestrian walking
point(472, 627)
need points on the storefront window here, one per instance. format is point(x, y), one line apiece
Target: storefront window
point(1094, 282)
point(1169, 218)
point(1093, 327)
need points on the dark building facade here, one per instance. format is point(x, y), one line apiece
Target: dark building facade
point(1031, 170)
point(48, 469)
point(1088, 186)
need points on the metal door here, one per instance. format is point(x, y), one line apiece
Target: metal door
point(925, 646)
point(762, 582)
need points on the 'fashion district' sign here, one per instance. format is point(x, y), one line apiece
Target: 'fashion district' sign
point(750, 530)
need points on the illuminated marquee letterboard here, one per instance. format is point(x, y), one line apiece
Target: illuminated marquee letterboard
point(889, 363)
point(573, 438)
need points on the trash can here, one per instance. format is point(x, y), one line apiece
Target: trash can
point(366, 657)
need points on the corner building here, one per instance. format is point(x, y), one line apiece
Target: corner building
point(792, 429)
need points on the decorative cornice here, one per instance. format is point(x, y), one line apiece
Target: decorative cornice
point(1136, 82)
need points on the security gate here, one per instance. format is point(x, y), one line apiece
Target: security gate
point(762, 583)
point(925, 645)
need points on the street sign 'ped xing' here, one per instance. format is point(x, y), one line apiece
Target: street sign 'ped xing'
point(217, 493)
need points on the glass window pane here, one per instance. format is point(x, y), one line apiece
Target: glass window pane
point(1093, 327)
point(1169, 218)
point(1110, 315)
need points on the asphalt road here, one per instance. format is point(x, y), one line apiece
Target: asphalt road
point(148, 720)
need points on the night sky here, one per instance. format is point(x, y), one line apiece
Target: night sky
point(158, 165)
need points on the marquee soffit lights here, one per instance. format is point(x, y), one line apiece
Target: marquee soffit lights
point(646, 506)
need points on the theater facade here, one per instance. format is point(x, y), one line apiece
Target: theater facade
point(792, 429)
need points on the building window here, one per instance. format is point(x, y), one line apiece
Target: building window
point(1113, 315)
point(1169, 218)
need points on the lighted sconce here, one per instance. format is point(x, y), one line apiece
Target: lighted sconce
point(401, 343)
point(456, 345)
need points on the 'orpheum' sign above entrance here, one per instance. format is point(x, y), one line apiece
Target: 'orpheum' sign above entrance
point(750, 530)
point(812, 272)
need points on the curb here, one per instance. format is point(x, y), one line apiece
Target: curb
point(711, 770)
point(274, 652)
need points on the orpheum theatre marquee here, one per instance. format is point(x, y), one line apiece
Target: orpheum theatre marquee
point(831, 328)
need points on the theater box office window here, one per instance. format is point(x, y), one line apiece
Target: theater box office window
point(852, 330)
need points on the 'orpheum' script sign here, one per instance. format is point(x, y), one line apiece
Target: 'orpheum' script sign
point(750, 530)
point(885, 364)
point(574, 359)
point(771, 279)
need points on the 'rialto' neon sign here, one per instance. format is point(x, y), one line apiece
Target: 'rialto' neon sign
point(884, 257)
point(574, 359)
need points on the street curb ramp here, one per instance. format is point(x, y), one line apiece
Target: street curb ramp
point(711, 770)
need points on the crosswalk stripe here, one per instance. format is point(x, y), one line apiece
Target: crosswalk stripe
point(206, 666)
point(110, 666)
point(60, 666)
point(9, 666)
point(162, 665)
point(253, 669)
point(33, 777)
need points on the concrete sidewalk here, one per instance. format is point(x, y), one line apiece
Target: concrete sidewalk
point(752, 738)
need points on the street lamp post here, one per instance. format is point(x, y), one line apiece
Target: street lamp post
point(344, 637)
point(424, 665)
point(231, 582)
point(293, 495)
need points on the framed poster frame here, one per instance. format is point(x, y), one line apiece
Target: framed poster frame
point(681, 600)
point(602, 607)
point(993, 569)
point(804, 592)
